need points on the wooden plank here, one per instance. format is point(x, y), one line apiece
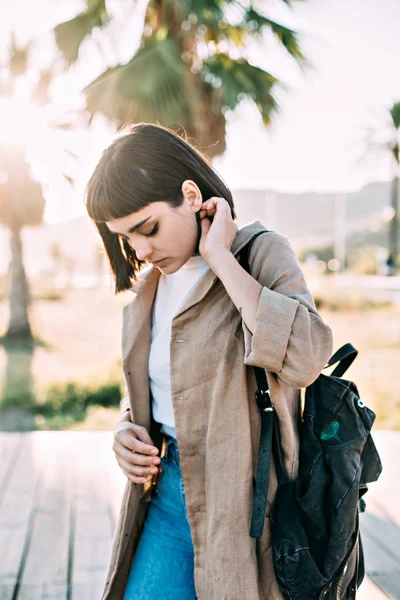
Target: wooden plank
point(382, 532)
point(368, 590)
point(17, 508)
point(45, 573)
point(93, 526)
point(10, 446)
point(376, 558)
point(389, 582)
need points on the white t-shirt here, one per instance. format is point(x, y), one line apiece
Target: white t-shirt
point(172, 291)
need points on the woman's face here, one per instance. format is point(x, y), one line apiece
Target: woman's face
point(160, 232)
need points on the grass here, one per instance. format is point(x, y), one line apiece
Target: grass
point(62, 404)
point(350, 303)
point(61, 381)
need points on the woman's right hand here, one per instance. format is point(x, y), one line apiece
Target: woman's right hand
point(135, 452)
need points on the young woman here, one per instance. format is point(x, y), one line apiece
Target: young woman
point(188, 435)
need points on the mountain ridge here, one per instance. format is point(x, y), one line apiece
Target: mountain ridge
point(306, 218)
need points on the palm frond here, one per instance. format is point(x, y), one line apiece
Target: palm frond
point(252, 24)
point(395, 114)
point(18, 58)
point(70, 153)
point(70, 34)
point(40, 93)
point(152, 86)
point(257, 23)
point(208, 10)
point(69, 179)
point(291, 2)
point(240, 79)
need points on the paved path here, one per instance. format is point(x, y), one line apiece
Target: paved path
point(59, 499)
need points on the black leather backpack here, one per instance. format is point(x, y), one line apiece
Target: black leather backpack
point(317, 550)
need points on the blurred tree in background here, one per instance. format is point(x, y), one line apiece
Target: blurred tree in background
point(394, 149)
point(22, 199)
point(385, 136)
point(190, 67)
point(21, 204)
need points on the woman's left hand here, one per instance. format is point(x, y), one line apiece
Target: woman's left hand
point(217, 237)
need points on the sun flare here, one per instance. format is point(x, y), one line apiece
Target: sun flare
point(24, 124)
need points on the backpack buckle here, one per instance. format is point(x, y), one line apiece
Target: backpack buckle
point(263, 399)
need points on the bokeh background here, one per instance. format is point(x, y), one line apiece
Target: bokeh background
point(297, 104)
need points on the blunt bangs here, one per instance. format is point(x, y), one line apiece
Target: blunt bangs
point(119, 188)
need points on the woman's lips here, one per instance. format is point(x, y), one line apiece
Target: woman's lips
point(158, 263)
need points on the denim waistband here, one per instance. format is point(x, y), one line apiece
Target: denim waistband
point(171, 449)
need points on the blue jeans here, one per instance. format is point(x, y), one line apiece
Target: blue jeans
point(163, 565)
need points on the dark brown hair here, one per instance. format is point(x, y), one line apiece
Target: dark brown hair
point(145, 163)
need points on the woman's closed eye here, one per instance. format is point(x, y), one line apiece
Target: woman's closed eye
point(151, 233)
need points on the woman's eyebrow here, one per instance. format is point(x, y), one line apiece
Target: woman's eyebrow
point(134, 227)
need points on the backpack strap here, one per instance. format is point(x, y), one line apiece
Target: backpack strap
point(269, 436)
point(269, 444)
point(344, 356)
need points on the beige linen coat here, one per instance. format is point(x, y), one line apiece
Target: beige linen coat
point(216, 416)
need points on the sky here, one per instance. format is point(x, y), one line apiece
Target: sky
point(316, 142)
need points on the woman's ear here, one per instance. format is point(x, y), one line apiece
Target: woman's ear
point(192, 194)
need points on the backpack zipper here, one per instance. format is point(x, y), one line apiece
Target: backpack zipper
point(340, 583)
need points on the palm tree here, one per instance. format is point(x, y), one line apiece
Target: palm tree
point(393, 146)
point(384, 136)
point(21, 204)
point(189, 70)
point(21, 196)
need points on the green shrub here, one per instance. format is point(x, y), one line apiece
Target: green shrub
point(62, 399)
point(106, 395)
point(75, 398)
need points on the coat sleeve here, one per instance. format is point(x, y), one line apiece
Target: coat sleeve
point(290, 337)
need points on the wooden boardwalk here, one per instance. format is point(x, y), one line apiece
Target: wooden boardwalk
point(60, 494)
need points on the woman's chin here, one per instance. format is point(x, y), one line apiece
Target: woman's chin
point(169, 267)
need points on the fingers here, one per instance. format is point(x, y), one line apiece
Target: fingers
point(210, 212)
point(205, 225)
point(136, 438)
point(136, 470)
point(210, 207)
point(134, 458)
point(143, 435)
point(131, 473)
point(135, 452)
point(137, 467)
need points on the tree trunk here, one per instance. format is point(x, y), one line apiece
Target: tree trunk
point(18, 390)
point(393, 226)
point(19, 327)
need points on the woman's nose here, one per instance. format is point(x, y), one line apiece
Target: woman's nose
point(143, 250)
